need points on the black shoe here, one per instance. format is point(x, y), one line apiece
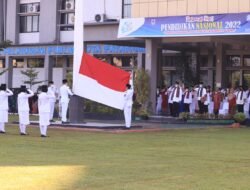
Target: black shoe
point(126, 128)
point(24, 134)
point(3, 132)
point(66, 122)
point(43, 136)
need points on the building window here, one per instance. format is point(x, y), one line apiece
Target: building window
point(67, 21)
point(18, 63)
point(67, 17)
point(2, 63)
point(126, 8)
point(233, 78)
point(233, 61)
point(35, 63)
point(29, 17)
point(247, 60)
point(59, 62)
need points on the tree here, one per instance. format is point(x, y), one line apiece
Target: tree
point(4, 45)
point(142, 91)
point(31, 74)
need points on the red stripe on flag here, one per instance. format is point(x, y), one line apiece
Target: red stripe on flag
point(104, 73)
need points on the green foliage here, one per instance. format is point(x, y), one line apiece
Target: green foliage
point(239, 117)
point(5, 44)
point(31, 74)
point(142, 90)
point(2, 72)
point(69, 77)
point(184, 115)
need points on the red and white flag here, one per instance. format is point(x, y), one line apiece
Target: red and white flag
point(101, 82)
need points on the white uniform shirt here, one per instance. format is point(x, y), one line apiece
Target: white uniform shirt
point(4, 104)
point(175, 98)
point(208, 99)
point(64, 93)
point(169, 93)
point(23, 101)
point(201, 91)
point(240, 97)
point(44, 102)
point(187, 99)
point(128, 97)
point(52, 91)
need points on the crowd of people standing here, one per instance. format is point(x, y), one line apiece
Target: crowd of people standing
point(202, 99)
point(47, 97)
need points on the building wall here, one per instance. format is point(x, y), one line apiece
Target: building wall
point(12, 22)
point(111, 8)
point(1, 21)
point(157, 8)
point(48, 17)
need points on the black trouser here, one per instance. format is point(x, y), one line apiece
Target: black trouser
point(176, 109)
point(186, 107)
point(240, 108)
point(216, 112)
point(201, 107)
point(205, 108)
point(171, 109)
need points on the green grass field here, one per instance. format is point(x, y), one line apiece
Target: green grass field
point(187, 159)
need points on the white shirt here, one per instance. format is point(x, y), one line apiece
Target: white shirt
point(65, 92)
point(239, 100)
point(128, 97)
point(187, 100)
point(23, 101)
point(208, 100)
point(44, 102)
point(4, 103)
point(52, 91)
point(175, 98)
point(199, 93)
point(169, 93)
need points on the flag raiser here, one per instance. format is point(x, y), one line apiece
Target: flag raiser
point(101, 82)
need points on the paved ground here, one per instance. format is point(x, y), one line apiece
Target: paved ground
point(118, 126)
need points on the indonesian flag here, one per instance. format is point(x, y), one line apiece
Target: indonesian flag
point(101, 82)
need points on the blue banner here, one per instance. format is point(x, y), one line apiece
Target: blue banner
point(69, 50)
point(178, 26)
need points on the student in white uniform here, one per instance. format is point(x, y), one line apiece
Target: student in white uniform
point(23, 108)
point(52, 91)
point(240, 99)
point(176, 97)
point(207, 99)
point(44, 110)
point(4, 106)
point(128, 96)
point(187, 100)
point(65, 92)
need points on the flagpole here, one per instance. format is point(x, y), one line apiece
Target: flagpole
point(76, 102)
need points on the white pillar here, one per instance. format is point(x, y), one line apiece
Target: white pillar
point(151, 67)
point(76, 102)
